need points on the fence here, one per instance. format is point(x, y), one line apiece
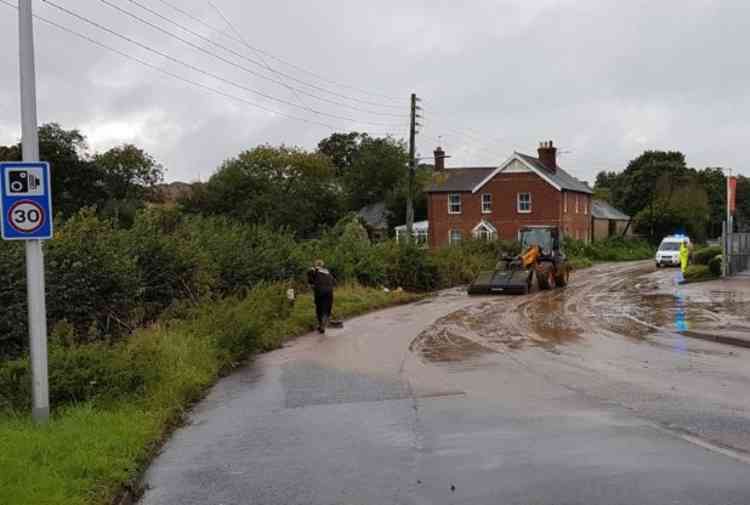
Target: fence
point(737, 247)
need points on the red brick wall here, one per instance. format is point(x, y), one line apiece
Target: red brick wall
point(546, 208)
point(577, 224)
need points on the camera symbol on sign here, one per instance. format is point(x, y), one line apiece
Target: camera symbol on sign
point(24, 182)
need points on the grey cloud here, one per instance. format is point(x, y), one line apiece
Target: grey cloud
point(604, 79)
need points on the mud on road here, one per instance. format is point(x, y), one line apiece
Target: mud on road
point(623, 334)
point(633, 301)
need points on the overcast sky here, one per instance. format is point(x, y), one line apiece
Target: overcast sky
point(605, 80)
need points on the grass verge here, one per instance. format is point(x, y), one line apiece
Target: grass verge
point(91, 451)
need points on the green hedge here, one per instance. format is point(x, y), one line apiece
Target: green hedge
point(612, 249)
point(698, 273)
point(705, 255)
point(715, 265)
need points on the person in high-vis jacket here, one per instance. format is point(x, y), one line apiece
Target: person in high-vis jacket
point(322, 283)
point(684, 256)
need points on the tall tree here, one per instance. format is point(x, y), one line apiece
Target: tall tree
point(342, 148)
point(129, 175)
point(128, 172)
point(713, 181)
point(369, 168)
point(76, 181)
point(281, 186)
point(637, 188)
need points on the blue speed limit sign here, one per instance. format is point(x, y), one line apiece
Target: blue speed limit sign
point(26, 203)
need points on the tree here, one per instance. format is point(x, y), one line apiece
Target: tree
point(604, 183)
point(678, 205)
point(76, 181)
point(369, 168)
point(128, 172)
point(742, 217)
point(281, 186)
point(635, 188)
point(713, 181)
point(342, 148)
point(377, 169)
point(129, 175)
point(396, 200)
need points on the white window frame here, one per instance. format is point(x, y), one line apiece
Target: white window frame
point(576, 203)
point(450, 236)
point(450, 204)
point(585, 206)
point(487, 210)
point(565, 202)
point(518, 203)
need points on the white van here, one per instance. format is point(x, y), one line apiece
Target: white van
point(669, 250)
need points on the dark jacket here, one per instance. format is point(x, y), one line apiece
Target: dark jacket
point(321, 280)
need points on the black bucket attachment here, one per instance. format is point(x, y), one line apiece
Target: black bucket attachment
point(502, 282)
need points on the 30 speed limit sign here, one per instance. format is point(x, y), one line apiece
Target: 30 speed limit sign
point(26, 201)
point(26, 216)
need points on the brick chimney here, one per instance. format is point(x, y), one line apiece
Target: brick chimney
point(439, 159)
point(548, 155)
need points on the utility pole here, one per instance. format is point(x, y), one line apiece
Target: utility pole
point(412, 167)
point(34, 254)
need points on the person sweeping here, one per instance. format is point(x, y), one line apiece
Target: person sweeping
point(322, 283)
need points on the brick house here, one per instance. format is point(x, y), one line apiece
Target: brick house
point(496, 201)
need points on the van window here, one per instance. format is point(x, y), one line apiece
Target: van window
point(669, 246)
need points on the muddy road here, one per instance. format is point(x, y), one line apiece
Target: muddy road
point(611, 391)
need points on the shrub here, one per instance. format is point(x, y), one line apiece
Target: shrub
point(239, 327)
point(13, 322)
point(703, 256)
point(91, 281)
point(170, 268)
point(697, 273)
point(79, 373)
point(715, 265)
point(242, 256)
point(612, 249)
point(409, 266)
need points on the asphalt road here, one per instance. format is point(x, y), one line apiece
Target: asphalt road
point(589, 395)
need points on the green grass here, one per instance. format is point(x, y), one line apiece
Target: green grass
point(90, 452)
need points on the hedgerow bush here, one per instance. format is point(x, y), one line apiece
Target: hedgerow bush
point(242, 255)
point(715, 265)
point(171, 269)
point(612, 249)
point(704, 255)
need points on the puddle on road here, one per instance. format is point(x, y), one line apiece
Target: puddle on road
point(443, 346)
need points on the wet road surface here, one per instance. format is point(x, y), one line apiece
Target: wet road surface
point(595, 394)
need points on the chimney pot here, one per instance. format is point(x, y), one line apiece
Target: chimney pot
point(439, 159)
point(548, 155)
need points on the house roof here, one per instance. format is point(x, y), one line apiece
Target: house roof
point(560, 176)
point(458, 179)
point(375, 215)
point(471, 178)
point(603, 210)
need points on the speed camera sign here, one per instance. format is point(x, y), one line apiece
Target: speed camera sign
point(26, 201)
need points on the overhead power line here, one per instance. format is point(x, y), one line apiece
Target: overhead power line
point(177, 76)
point(207, 72)
point(197, 47)
point(281, 60)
